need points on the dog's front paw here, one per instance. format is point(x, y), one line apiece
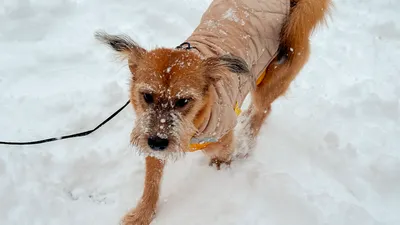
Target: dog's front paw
point(218, 162)
point(138, 216)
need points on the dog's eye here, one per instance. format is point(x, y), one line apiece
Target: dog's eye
point(180, 103)
point(148, 98)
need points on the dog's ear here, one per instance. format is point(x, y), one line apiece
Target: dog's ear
point(215, 66)
point(124, 45)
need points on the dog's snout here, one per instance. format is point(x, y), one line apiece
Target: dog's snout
point(157, 143)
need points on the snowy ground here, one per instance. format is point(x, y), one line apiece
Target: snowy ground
point(329, 154)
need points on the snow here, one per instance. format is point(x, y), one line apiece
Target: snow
point(329, 153)
point(230, 15)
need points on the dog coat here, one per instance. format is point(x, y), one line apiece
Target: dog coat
point(249, 29)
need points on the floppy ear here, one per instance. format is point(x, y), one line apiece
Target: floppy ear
point(215, 66)
point(124, 45)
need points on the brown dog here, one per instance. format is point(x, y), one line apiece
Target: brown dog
point(188, 98)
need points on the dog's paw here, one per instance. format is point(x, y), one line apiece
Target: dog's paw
point(218, 162)
point(138, 216)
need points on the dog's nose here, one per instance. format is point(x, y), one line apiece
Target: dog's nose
point(157, 143)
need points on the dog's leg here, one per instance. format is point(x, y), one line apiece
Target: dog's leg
point(275, 84)
point(221, 152)
point(293, 53)
point(145, 210)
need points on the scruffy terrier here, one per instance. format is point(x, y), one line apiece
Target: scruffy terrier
point(188, 98)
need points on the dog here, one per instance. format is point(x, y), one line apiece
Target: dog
point(188, 98)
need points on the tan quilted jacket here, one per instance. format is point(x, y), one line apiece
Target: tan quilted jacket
point(246, 28)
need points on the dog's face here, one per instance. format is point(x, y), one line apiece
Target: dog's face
point(169, 93)
point(168, 90)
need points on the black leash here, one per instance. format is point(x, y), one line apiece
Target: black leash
point(184, 45)
point(81, 134)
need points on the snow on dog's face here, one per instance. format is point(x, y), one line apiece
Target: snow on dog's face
point(169, 93)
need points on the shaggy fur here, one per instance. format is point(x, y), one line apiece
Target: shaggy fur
point(169, 93)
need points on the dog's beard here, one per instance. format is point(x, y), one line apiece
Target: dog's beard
point(179, 134)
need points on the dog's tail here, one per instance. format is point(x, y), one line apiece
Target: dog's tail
point(304, 17)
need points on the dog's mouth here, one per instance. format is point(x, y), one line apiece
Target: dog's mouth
point(156, 146)
point(162, 136)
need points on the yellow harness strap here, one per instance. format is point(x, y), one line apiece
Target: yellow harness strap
point(197, 146)
point(200, 146)
point(261, 77)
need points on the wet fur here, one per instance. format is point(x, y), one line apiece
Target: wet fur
point(149, 75)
